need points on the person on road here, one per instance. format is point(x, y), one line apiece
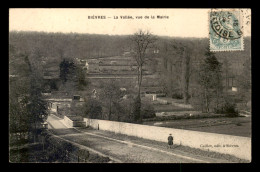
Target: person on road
point(170, 141)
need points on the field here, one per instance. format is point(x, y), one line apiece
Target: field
point(169, 108)
point(239, 126)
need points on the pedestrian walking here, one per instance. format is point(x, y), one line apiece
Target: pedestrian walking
point(170, 141)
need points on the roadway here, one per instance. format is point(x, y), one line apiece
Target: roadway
point(123, 149)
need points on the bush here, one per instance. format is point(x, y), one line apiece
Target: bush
point(148, 111)
point(228, 108)
point(92, 109)
point(53, 85)
point(186, 116)
point(177, 96)
point(83, 155)
point(56, 150)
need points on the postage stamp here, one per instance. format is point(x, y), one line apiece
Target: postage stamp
point(225, 30)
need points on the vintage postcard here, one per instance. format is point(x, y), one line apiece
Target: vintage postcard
point(129, 85)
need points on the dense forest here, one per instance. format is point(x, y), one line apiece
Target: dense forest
point(61, 45)
point(58, 46)
point(179, 58)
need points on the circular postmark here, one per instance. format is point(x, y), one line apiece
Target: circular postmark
point(226, 24)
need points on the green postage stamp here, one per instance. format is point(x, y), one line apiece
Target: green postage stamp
point(225, 30)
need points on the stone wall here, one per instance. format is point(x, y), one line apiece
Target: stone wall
point(226, 144)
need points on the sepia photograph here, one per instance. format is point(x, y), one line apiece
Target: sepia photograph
point(114, 85)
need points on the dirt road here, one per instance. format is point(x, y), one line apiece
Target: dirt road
point(125, 149)
point(55, 122)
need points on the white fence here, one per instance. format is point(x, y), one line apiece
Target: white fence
point(227, 144)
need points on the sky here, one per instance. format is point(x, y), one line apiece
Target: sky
point(180, 22)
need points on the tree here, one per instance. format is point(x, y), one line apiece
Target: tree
point(80, 78)
point(53, 85)
point(18, 95)
point(37, 107)
point(148, 110)
point(66, 67)
point(18, 115)
point(142, 41)
point(246, 75)
point(186, 75)
point(111, 96)
point(72, 76)
point(136, 110)
point(185, 58)
point(226, 72)
point(119, 111)
point(210, 80)
point(27, 108)
point(244, 82)
point(177, 68)
point(92, 109)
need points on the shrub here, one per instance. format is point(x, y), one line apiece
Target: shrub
point(83, 155)
point(92, 109)
point(177, 95)
point(148, 111)
point(55, 150)
point(58, 150)
point(228, 108)
point(53, 85)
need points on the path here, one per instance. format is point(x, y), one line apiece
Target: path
point(55, 122)
point(124, 149)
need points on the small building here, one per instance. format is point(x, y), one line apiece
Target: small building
point(234, 89)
